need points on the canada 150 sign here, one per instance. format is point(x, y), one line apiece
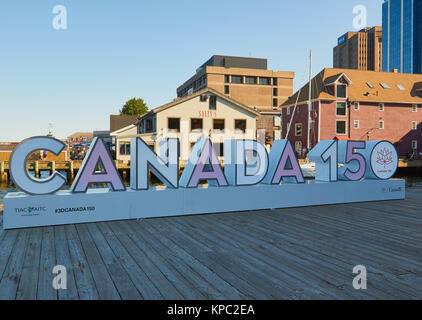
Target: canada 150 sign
point(252, 179)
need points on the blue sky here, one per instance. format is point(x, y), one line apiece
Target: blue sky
point(114, 50)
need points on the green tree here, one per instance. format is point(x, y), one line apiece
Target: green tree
point(134, 107)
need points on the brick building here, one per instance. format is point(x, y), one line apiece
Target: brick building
point(357, 105)
point(248, 81)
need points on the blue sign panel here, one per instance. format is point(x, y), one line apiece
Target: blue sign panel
point(342, 40)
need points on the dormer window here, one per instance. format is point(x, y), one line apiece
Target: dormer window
point(341, 91)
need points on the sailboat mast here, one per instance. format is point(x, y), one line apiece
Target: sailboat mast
point(310, 103)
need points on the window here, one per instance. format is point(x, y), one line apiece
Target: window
point(124, 148)
point(298, 147)
point(381, 107)
point(370, 85)
point(149, 125)
point(226, 79)
point(415, 108)
point(277, 135)
point(275, 92)
point(275, 83)
point(381, 125)
point(341, 91)
point(250, 80)
point(384, 85)
point(298, 129)
point(213, 103)
point(275, 103)
point(264, 81)
point(401, 87)
point(356, 124)
point(288, 111)
point(218, 149)
point(414, 144)
point(356, 106)
point(218, 124)
point(196, 124)
point(226, 90)
point(236, 79)
point(341, 109)
point(414, 125)
point(276, 121)
point(240, 125)
point(174, 124)
point(340, 127)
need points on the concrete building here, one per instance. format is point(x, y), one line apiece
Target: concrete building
point(357, 105)
point(360, 50)
point(402, 35)
point(206, 113)
point(248, 81)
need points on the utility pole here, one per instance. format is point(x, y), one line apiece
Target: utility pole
point(310, 103)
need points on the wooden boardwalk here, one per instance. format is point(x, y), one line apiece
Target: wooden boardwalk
point(305, 253)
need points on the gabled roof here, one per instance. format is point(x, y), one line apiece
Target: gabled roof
point(197, 94)
point(121, 130)
point(337, 77)
point(359, 90)
point(121, 121)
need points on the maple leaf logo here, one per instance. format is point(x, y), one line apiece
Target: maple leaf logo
point(385, 157)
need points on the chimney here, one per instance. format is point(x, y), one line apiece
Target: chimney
point(395, 71)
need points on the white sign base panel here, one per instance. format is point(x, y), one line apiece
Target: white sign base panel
point(22, 210)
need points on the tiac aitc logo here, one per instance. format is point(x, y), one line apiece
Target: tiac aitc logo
point(30, 210)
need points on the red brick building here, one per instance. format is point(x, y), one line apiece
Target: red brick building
point(357, 105)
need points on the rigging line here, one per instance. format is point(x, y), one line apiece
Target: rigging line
point(297, 100)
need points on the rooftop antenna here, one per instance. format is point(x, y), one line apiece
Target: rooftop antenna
point(50, 130)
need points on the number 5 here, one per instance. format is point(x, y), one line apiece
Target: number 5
point(355, 164)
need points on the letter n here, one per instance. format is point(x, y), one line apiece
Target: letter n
point(143, 160)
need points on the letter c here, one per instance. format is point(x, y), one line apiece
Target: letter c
point(18, 166)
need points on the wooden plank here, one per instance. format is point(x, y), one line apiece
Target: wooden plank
point(120, 276)
point(320, 260)
point(27, 289)
point(188, 271)
point(144, 281)
point(63, 258)
point(105, 286)
point(12, 273)
point(6, 245)
point(300, 289)
point(225, 276)
point(332, 247)
point(314, 277)
point(377, 247)
point(47, 263)
point(266, 282)
point(83, 277)
point(144, 253)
